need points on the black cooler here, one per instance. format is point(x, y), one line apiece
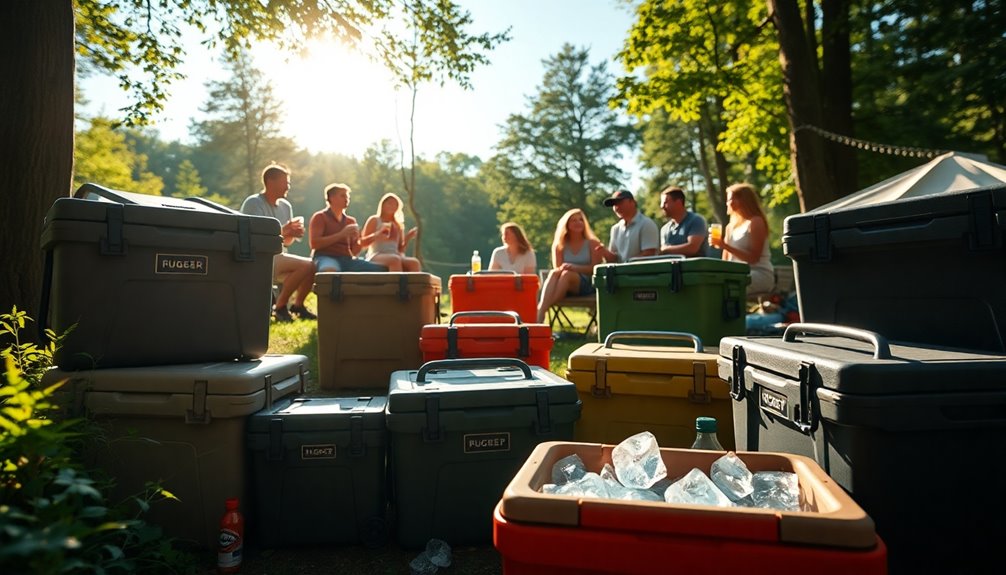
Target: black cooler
point(914, 433)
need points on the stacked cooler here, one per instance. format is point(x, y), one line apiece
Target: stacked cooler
point(495, 291)
point(898, 386)
point(168, 301)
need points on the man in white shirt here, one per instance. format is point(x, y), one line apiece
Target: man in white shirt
point(634, 235)
point(296, 272)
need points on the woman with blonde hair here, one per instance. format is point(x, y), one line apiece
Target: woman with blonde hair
point(516, 254)
point(745, 238)
point(385, 237)
point(574, 255)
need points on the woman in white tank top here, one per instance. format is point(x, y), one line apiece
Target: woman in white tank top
point(385, 237)
point(746, 237)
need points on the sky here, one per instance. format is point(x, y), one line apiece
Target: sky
point(338, 101)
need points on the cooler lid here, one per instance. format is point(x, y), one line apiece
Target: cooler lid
point(653, 269)
point(459, 384)
point(308, 414)
point(375, 284)
point(494, 279)
point(91, 203)
point(856, 361)
point(509, 326)
point(976, 216)
point(656, 352)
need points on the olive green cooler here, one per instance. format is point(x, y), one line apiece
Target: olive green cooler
point(703, 296)
point(369, 325)
point(459, 431)
point(660, 387)
point(318, 471)
point(182, 426)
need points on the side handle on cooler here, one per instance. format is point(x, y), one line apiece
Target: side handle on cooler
point(476, 363)
point(881, 349)
point(663, 335)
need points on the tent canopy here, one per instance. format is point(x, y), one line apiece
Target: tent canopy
point(950, 172)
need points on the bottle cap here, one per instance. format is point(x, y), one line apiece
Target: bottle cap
point(705, 424)
point(231, 503)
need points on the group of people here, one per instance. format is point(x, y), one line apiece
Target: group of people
point(335, 239)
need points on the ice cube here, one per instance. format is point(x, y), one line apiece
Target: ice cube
point(696, 488)
point(439, 552)
point(608, 473)
point(422, 565)
point(732, 477)
point(776, 490)
point(637, 461)
point(590, 485)
point(568, 469)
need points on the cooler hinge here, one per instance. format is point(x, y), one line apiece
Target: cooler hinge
point(544, 422)
point(198, 413)
point(403, 288)
point(600, 387)
point(356, 448)
point(452, 342)
point(803, 414)
point(275, 450)
point(698, 393)
point(335, 294)
point(737, 379)
point(821, 251)
point(112, 244)
point(677, 280)
point(982, 223)
point(243, 251)
point(523, 336)
point(432, 430)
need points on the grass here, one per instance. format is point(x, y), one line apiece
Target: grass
point(301, 337)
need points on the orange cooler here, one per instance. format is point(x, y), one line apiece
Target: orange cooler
point(530, 342)
point(495, 291)
point(542, 534)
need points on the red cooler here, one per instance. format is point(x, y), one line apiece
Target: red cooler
point(530, 342)
point(495, 291)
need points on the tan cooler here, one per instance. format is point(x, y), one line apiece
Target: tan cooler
point(369, 325)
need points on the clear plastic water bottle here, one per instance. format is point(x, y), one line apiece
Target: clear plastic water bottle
point(476, 262)
point(705, 434)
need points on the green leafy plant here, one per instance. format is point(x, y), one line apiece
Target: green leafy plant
point(54, 517)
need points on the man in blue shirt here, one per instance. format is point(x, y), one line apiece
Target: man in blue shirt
point(685, 232)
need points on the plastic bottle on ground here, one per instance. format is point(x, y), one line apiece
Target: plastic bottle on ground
point(705, 434)
point(232, 535)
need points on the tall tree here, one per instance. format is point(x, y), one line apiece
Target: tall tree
point(563, 152)
point(102, 156)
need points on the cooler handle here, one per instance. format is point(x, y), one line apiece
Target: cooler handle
point(668, 335)
point(657, 258)
point(510, 314)
point(472, 363)
point(518, 280)
point(496, 273)
point(881, 350)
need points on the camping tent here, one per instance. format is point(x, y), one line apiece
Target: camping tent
point(950, 172)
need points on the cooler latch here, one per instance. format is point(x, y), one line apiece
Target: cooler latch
point(609, 279)
point(269, 393)
point(243, 251)
point(600, 387)
point(698, 393)
point(356, 435)
point(982, 223)
point(518, 283)
point(198, 412)
point(523, 336)
point(737, 379)
point(335, 294)
point(677, 281)
point(803, 414)
point(403, 288)
point(821, 252)
point(432, 430)
point(275, 450)
point(112, 244)
point(544, 423)
point(732, 300)
point(452, 342)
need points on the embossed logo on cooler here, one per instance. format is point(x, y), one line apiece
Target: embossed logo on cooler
point(485, 442)
point(317, 451)
point(644, 295)
point(772, 401)
point(181, 264)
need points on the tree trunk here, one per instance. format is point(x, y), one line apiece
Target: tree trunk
point(837, 83)
point(808, 152)
point(36, 137)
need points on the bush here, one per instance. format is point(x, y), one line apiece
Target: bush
point(54, 517)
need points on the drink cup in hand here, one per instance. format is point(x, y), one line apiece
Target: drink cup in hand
point(298, 227)
point(386, 229)
point(715, 233)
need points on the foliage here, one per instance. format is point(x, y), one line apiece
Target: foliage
point(54, 517)
point(102, 156)
point(562, 152)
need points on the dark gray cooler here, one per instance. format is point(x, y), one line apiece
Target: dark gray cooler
point(914, 433)
point(152, 280)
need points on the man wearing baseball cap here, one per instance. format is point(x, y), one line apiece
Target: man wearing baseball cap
point(633, 235)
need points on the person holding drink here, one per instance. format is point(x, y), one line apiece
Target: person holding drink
point(685, 231)
point(295, 272)
point(745, 238)
point(335, 235)
point(385, 237)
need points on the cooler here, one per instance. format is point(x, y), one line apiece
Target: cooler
point(182, 426)
point(626, 389)
point(925, 269)
point(152, 280)
point(543, 534)
point(369, 325)
point(495, 291)
point(703, 296)
point(913, 432)
point(459, 430)
point(529, 342)
point(318, 471)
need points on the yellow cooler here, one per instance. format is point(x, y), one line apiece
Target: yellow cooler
point(635, 381)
